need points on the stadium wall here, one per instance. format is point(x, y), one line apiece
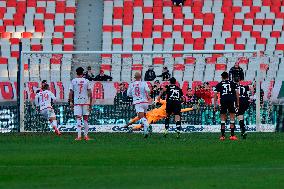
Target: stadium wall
point(89, 21)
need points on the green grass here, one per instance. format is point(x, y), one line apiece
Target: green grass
point(120, 161)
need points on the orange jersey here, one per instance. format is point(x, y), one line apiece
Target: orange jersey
point(157, 113)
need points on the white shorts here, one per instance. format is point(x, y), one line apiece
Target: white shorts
point(47, 113)
point(141, 107)
point(81, 110)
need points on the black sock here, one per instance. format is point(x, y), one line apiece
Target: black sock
point(242, 126)
point(167, 123)
point(223, 129)
point(178, 125)
point(232, 127)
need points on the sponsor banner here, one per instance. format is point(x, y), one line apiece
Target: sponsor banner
point(103, 92)
point(159, 128)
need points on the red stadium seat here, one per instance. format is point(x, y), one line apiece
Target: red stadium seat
point(59, 28)
point(137, 67)
point(57, 41)
point(6, 35)
point(211, 60)
point(158, 41)
point(137, 47)
point(15, 54)
point(68, 35)
point(190, 60)
point(117, 40)
point(56, 59)
point(220, 67)
point(36, 47)
point(106, 67)
point(3, 60)
point(70, 22)
point(279, 47)
point(27, 35)
point(68, 48)
point(136, 35)
point(179, 67)
point(219, 47)
point(158, 60)
point(14, 40)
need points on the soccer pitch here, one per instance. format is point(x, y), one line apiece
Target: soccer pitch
point(122, 160)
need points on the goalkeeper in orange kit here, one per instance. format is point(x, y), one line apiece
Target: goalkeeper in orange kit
point(154, 115)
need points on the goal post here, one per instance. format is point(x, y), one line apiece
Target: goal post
point(255, 53)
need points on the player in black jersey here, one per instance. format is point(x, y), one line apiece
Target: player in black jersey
point(229, 97)
point(245, 94)
point(174, 98)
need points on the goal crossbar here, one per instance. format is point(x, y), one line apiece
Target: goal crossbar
point(142, 52)
point(21, 75)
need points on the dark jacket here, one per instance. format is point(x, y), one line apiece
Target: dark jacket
point(150, 75)
point(155, 92)
point(122, 98)
point(236, 74)
point(165, 75)
point(103, 78)
point(88, 76)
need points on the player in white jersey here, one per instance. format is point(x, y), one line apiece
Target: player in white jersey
point(139, 91)
point(80, 97)
point(44, 100)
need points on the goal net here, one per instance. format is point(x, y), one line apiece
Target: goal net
point(195, 71)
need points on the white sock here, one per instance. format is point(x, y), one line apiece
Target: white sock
point(79, 127)
point(145, 124)
point(86, 130)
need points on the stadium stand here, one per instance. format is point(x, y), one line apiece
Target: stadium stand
point(200, 24)
point(146, 25)
point(40, 25)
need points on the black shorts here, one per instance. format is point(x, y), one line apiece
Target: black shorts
point(244, 105)
point(173, 108)
point(227, 106)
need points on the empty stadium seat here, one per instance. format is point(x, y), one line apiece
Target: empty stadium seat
point(39, 25)
point(147, 25)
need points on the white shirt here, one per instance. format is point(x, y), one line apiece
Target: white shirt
point(139, 91)
point(43, 99)
point(80, 87)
